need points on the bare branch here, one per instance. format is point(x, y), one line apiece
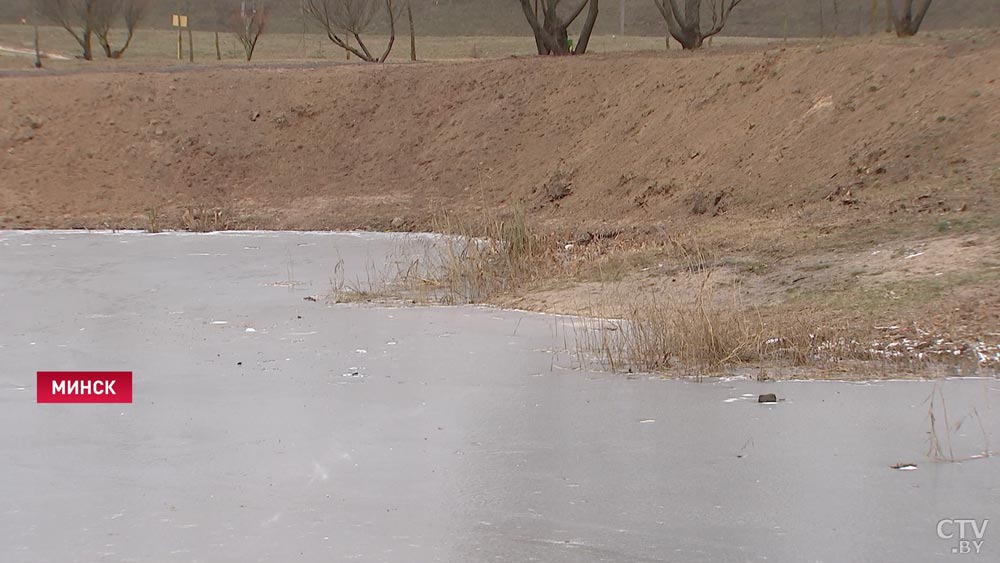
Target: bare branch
point(249, 24)
point(352, 18)
point(70, 15)
point(685, 25)
point(723, 16)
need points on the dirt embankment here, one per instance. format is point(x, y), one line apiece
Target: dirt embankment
point(808, 171)
point(801, 138)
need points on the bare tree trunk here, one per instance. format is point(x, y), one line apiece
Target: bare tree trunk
point(685, 24)
point(551, 33)
point(88, 51)
point(588, 29)
point(413, 35)
point(907, 21)
point(836, 19)
point(822, 27)
point(786, 21)
point(344, 19)
point(392, 31)
point(621, 18)
point(128, 41)
point(38, 52)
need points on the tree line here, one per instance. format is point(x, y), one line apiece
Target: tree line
point(346, 23)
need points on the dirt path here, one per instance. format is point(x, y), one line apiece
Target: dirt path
point(29, 53)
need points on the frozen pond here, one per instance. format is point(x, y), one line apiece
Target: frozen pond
point(270, 428)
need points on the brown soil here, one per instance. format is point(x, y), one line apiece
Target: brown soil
point(811, 172)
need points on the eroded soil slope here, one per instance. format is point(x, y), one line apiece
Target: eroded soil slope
point(860, 178)
point(800, 138)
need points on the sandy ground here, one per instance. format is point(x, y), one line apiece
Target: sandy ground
point(810, 172)
point(800, 139)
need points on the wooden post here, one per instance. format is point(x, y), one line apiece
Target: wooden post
point(180, 44)
point(413, 35)
point(190, 45)
point(218, 51)
point(621, 18)
point(822, 29)
point(836, 19)
point(38, 52)
point(786, 21)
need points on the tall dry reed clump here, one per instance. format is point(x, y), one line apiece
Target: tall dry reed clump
point(659, 332)
point(468, 263)
point(707, 328)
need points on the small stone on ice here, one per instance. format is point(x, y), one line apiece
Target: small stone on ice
point(767, 398)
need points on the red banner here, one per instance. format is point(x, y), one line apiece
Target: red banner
point(84, 387)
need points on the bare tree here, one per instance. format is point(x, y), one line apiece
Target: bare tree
point(76, 17)
point(905, 18)
point(343, 19)
point(551, 34)
point(106, 12)
point(685, 24)
point(85, 19)
point(249, 24)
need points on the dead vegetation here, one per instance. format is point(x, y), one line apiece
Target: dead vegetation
point(249, 24)
point(471, 262)
point(202, 219)
point(708, 323)
point(342, 20)
point(685, 24)
point(86, 19)
point(940, 423)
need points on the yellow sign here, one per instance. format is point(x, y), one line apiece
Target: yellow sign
point(179, 20)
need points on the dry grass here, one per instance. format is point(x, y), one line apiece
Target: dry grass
point(943, 450)
point(712, 326)
point(718, 332)
point(479, 262)
point(469, 263)
point(717, 325)
point(153, 220)
point(160, 46)
point(202, 219)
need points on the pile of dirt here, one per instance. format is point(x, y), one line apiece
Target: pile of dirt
point(808, 139)
point(861, 178)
